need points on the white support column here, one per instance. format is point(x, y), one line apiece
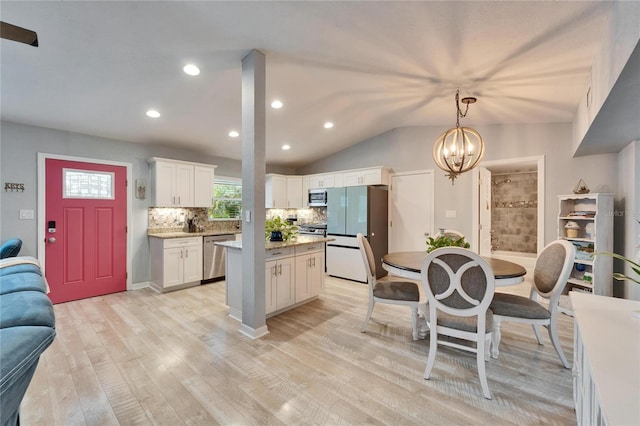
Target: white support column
point(254, 323)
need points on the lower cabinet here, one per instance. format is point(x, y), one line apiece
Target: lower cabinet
point(175, 263)
point(293, 276)
point(309, 271)
point(279, 287)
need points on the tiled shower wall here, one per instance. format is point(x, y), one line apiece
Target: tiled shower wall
point(514, 213)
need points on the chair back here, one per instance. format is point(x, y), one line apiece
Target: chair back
point(458, 281)
point(368, 259)
point(553, 268)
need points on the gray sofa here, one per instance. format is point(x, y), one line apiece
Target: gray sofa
point(27, 328)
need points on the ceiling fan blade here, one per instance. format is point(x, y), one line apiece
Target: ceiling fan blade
point(19, 34)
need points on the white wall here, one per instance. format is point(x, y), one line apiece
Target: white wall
point(410, 148)
point(19, 145)
point(627, 237)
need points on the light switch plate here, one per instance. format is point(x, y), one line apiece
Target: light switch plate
point(450, 213)
point(26, 214)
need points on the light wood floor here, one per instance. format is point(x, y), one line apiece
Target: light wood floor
point(144, 358)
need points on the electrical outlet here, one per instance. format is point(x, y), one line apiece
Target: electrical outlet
point(26, 214)
point(450, 213)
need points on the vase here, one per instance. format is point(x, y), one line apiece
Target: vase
point(276, 236)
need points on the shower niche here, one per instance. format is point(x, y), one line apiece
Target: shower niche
point(514, 211)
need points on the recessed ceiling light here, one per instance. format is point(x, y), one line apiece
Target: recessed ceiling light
point(153, 113)
point(328, 125)
point(276, 104)
point(191, 69)
point(285, 147)
point(234, 134)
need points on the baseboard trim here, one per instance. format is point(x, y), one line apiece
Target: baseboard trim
point(253, 333)
point(138, 286)
point(236, 314)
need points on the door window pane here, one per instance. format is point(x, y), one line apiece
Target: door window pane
point(88, 184)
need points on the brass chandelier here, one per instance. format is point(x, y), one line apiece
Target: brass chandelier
point(459, 149)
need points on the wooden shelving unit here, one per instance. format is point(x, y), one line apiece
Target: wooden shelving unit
point(593, 213)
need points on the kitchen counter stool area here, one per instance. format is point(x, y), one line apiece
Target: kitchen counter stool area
point(294, 274)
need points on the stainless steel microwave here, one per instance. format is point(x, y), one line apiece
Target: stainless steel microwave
point(317, 197)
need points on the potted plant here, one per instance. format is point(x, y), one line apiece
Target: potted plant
point(446, 240)
point(276, 229)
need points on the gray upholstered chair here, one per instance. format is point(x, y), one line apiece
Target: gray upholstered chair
point(553, 268)
point(391, 292)
point(459, 286)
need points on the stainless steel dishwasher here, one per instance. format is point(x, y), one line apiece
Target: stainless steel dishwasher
point(214, 257)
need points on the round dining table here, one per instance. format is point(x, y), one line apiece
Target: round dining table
point(407, 264)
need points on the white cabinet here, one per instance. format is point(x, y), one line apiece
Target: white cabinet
point(323, 180)
point(174, 183)
point(305, 191)
point(275, 195)
point(283, 192)
point(203, 186)
point(606, 377)
point(309, 271)
point(370, 176)
point(295, 197)
point(279, 275)
point(175, 263)
point(587, 221)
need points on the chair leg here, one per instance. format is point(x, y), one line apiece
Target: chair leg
point(553, 335)
point(536, 331)
point(414, 322)
point(366, 321)
point(482, 372)
point(433, 348)
point(495, 338)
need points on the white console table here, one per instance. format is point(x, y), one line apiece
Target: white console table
point(606, 356)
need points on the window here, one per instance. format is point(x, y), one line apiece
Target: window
point(87, 184)
point(227, 199)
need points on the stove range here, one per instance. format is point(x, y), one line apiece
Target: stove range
point(317, 229)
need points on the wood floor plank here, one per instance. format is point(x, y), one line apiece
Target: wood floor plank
point(140, 357)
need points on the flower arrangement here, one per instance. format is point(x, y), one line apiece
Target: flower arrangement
point(276, 229)
point(444, 240)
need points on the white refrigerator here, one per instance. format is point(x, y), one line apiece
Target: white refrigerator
point(352, 210)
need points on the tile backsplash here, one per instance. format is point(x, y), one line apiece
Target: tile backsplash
point(173, 219)
point(163, 219)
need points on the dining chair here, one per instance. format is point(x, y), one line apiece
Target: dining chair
point(552, 269)
point(459, 286)
point(392, 292)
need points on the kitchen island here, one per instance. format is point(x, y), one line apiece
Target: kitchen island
point(294, 274)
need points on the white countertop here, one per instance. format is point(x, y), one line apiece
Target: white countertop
point(611, 338)
point(270, 245)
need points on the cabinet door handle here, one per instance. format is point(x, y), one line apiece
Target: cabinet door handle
point(280, 269)
point(181, 254)
point(309, 263)
point(178, 199)
point(173, 200)
point(187, 253)
point(314, 262)
point(275, 271)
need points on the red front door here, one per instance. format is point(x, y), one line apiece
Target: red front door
point(86, 229)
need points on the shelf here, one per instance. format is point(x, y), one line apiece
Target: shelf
point(583, 240)
point(581, 283)
point(591, 218)
point(583, 261)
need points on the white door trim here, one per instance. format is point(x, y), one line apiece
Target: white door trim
point(42, 157)
point(539, 161)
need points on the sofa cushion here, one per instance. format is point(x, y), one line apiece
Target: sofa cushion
point(26, 308)
point(26, 280)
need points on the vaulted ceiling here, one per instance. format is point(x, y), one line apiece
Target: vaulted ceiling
point(368, 67)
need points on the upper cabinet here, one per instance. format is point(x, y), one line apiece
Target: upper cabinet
point(323, 180)
point(180, 183)
point(283, 192)
point(369, 176)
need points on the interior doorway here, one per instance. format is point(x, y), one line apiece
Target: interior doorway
point(508, 208)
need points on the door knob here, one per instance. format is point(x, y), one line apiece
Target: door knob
point(52, 240)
